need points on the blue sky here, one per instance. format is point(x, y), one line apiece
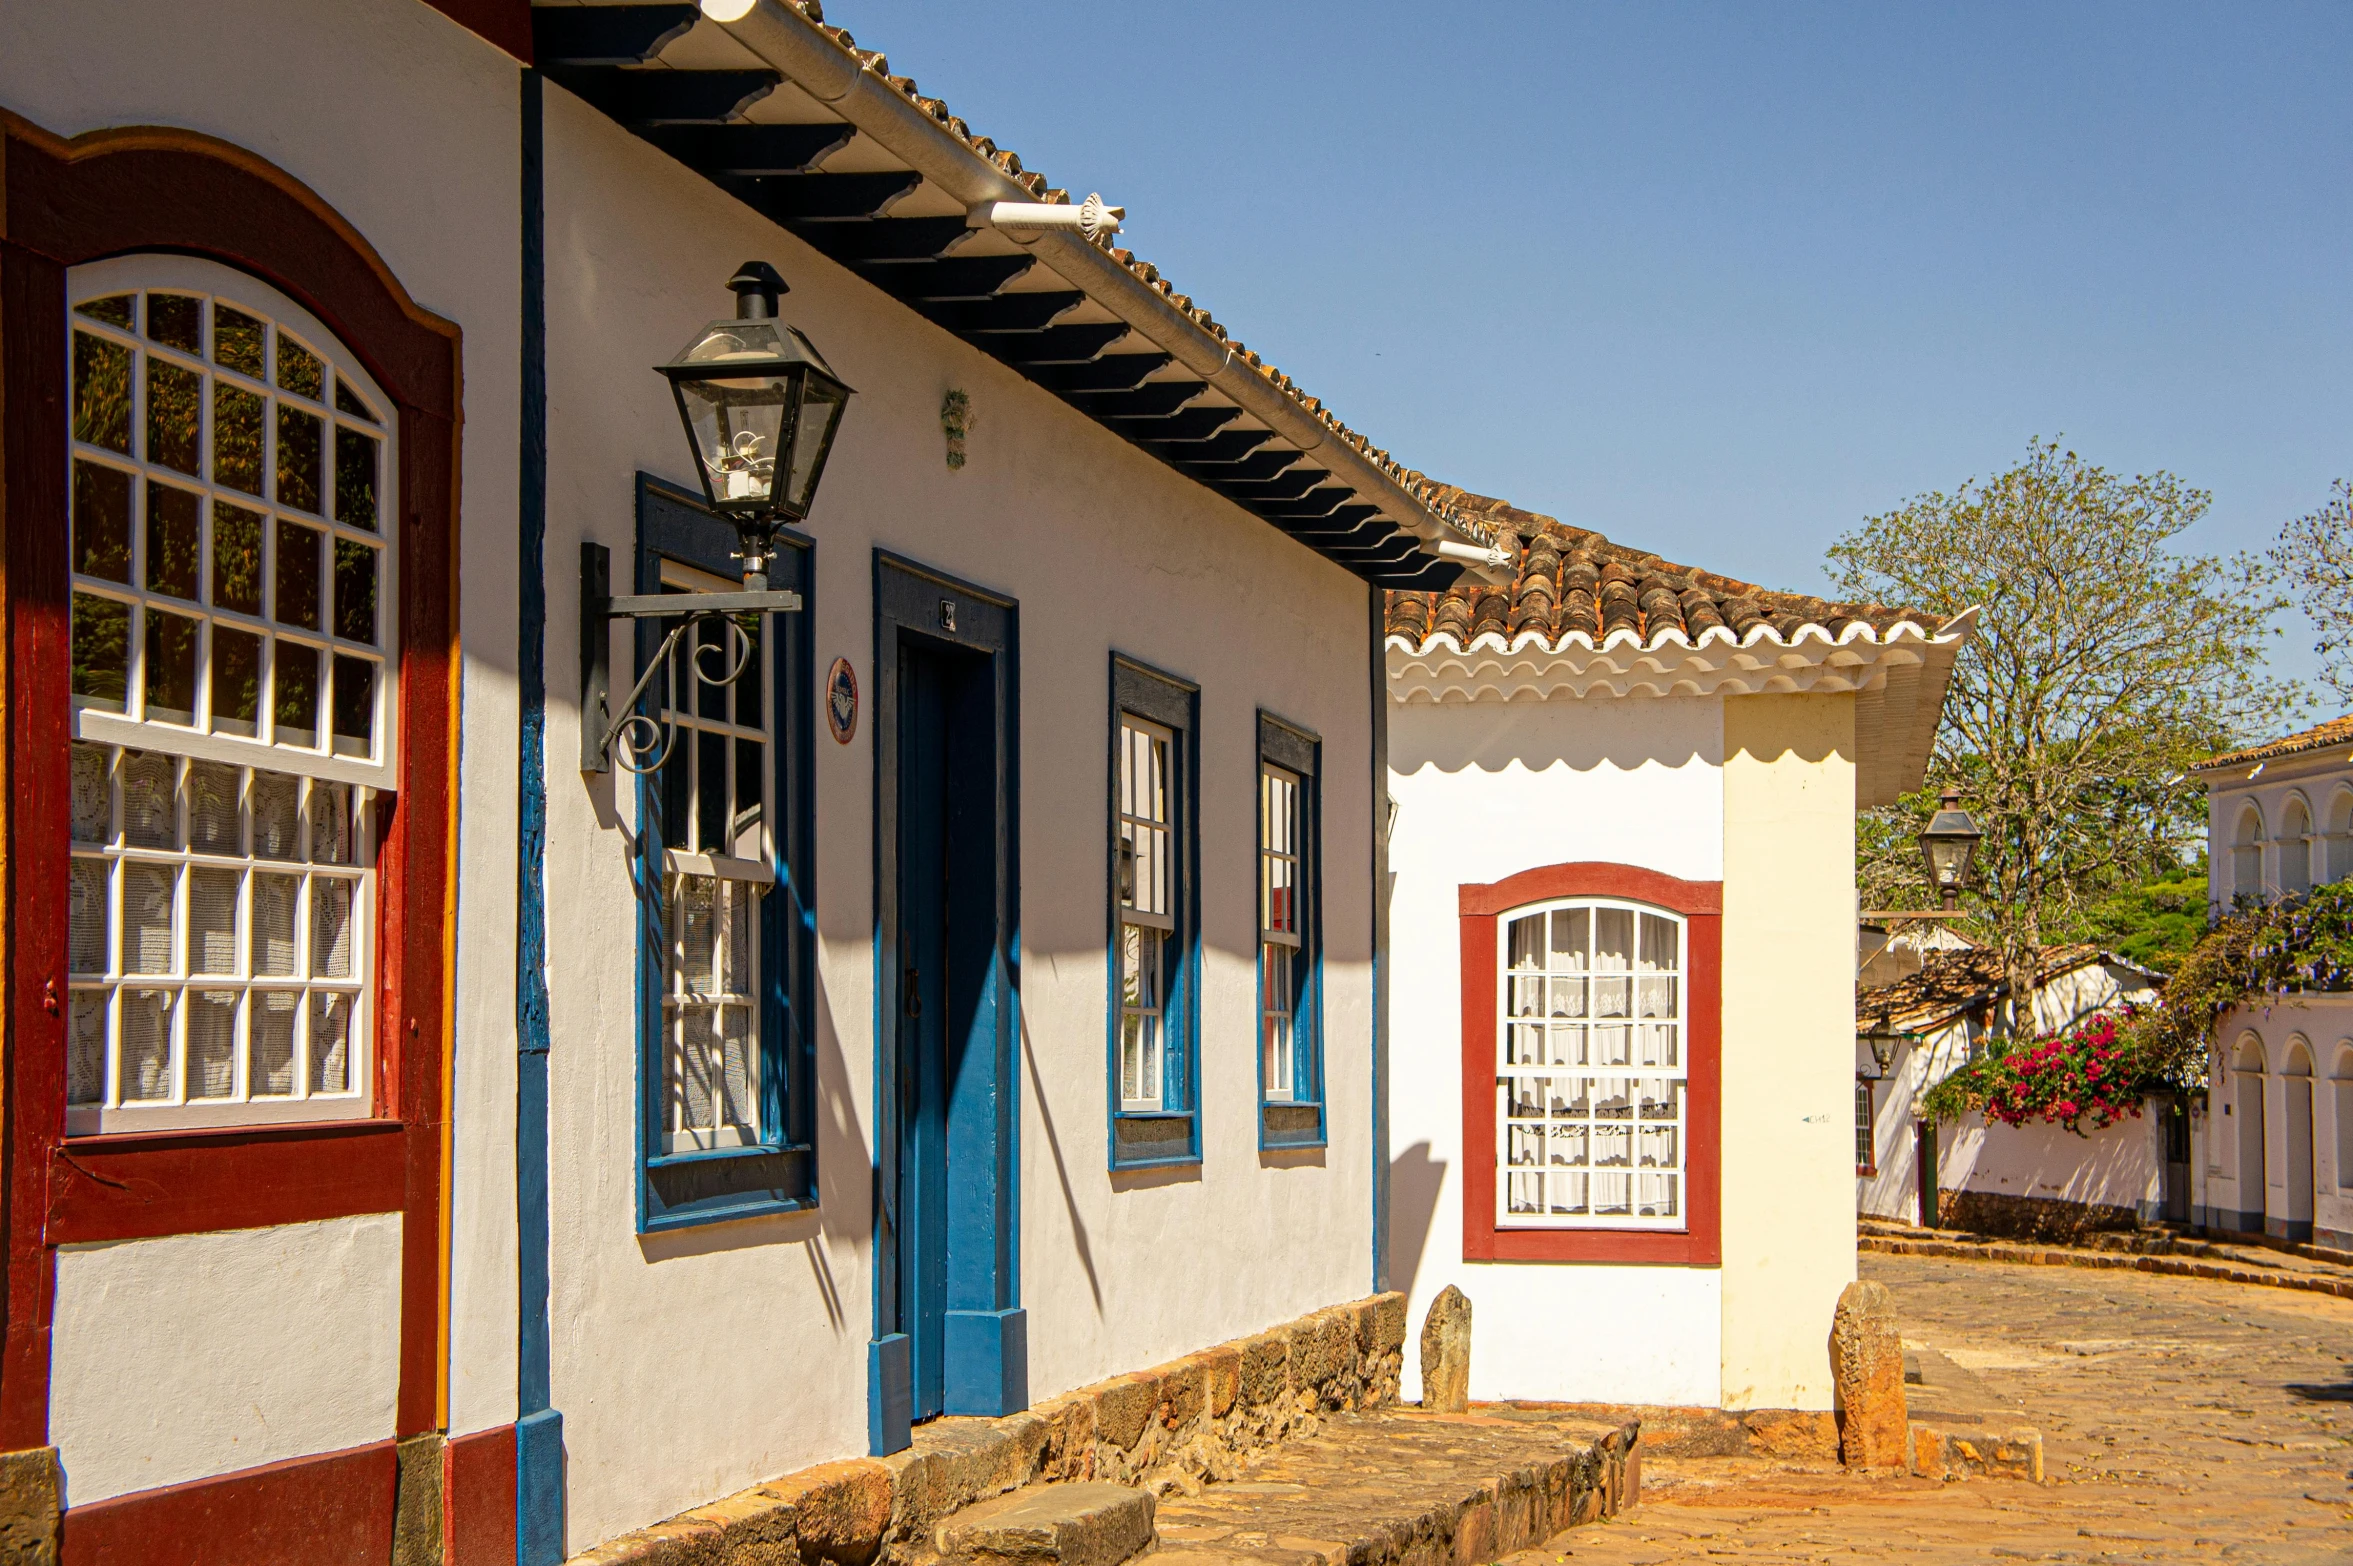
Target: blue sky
point(1724, 280)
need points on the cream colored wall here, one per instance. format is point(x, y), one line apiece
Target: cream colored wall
point(180, 1358)
point(691, 1364)
point(1789, 1023)
point(406, 124)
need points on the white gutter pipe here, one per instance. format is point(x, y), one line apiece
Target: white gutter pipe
point(789, 41)
point(1090, 217)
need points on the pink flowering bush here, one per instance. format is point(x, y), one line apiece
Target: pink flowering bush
point(2094, 1072)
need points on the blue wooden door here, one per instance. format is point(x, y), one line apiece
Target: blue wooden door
point(950, 1228)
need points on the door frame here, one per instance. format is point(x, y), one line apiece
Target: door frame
point(986, 1352)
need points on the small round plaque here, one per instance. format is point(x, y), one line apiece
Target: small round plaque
point(841, 700)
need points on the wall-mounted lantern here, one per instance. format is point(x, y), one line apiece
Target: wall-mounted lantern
point(761, 407)
point(1950, 846)
point(1882, 1046)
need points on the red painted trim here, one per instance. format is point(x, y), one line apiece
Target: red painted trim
point(478, 1499)
point(119, 192)
point(1593, 878)
point(1700, 1243)
point(506, 23)
point(35, 606)
point(1871, 1086)
point(189, 1182)
point(331, 1510)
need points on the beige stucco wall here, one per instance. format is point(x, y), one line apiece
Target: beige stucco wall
point(1788, 1145)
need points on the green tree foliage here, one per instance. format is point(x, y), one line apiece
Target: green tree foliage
point(2107, 662)
point(2315, 552)
point(2155, 922)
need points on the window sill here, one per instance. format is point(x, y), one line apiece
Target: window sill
point(732, 1212)
point(1638, 1247)
point(704, 1155)
point(1287, 1124)
point(134, 1186)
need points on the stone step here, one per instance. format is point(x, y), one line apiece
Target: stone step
point(1399, 1487)
point(1092, 1523)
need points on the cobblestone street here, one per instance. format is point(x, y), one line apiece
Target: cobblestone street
point(2183, 1420)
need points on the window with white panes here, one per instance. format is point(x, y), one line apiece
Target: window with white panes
point(1147, 908)
point(1866, 1151)
point(1281, 951)
point(232, 676)
point(713, 793)
point(1591, 1067)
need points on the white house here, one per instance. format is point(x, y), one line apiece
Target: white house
point(2278, 1127)
point(418, 1117)
point(1989, 1176)
point(1622, 912)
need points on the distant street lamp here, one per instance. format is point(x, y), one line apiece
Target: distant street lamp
point(1882, 1049)
point(1950, 845)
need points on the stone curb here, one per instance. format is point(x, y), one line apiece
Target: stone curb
point(1196, 1418)
point(1967, 1454)
point(1511, 1512)
point(2042, 1256)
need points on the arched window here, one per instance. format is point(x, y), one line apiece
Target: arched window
point(1591, 1064)
point(2246, 855)
point(2295, 847)
point(2337, 844)
point(232, 689)
point(2341, 1092)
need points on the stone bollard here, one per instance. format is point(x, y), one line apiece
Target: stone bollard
point(1867, 1361)
point(1446, 1353)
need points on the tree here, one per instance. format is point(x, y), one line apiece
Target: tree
point(2106, 664)
point(2315, 552)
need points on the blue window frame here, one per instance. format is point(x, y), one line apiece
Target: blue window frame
point(1154, 955)
point(722, 872)
point(1290, 937)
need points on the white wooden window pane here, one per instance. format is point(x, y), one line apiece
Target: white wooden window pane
point(1590, 1059)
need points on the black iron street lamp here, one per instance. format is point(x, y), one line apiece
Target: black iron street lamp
point(1950, 845)
point(761, 407)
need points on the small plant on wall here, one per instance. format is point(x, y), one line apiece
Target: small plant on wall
point(956, 423)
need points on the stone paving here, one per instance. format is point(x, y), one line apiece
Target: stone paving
point(2184, 1420)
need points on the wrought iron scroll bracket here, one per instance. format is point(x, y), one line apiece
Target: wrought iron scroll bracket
point(638, 742)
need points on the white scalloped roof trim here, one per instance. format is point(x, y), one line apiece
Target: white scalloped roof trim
point(1717, 663)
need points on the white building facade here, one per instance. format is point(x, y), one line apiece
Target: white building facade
point(2278, 1128)
point(1623, 892)
point(976, 996)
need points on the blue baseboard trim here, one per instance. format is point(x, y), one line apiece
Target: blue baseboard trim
point(539, 1489)
point(987, 1369)
point(890, 1395)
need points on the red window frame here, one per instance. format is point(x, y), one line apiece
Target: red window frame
point(1701, 904)
point(1870, 1086)
point(121, 192)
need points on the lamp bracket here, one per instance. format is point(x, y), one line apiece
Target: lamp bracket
point(641, 743)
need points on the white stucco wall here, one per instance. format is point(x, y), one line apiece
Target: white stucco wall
point(2290, 1036)
point(1485, 791)
point(2122, 1165)
point(201, 1354)
point(406, 124)
point(2321, 784)
point(738, 1351)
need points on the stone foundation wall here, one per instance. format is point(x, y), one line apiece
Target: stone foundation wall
point(1974, 1454)
point(1170, 1428)
point(1793, 1435)
point(2029, 1217)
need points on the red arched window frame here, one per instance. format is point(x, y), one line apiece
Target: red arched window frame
point(1701, 904)
point(121, 192)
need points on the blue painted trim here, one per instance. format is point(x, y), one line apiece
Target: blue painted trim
point(987, 1362)
point(1174, 703)
point(890, 1394)
point(539, 1489)
point(780, 1174)
point(1298, 751)
point(539, 1448)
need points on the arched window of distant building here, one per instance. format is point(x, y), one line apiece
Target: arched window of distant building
point(2246, 855)
point(2295, 848)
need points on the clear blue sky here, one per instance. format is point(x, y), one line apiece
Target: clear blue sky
point(1723, 280)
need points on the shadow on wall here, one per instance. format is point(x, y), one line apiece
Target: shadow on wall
point(1415, 1179)
point(1493, 736)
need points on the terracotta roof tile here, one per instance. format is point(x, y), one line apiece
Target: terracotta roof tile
point(1571, 581)
point(1954, 980)
point(2337, 731)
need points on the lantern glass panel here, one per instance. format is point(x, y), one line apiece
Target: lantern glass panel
point(822, 403)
